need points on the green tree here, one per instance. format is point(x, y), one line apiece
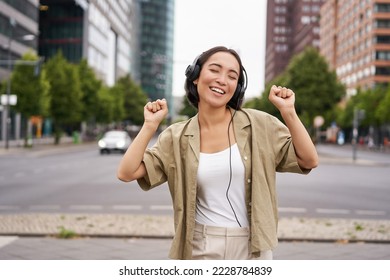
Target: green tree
point(382, 113)
point(65, 94)
point(31, 89)
point(317, 88)
point(105, 106)
point(369, 101)
point(134, 100)
point(118, 102)
point(90, 86)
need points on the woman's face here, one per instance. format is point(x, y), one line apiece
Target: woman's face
point(218, 79)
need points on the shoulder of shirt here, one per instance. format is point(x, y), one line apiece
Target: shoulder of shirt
point(178, 129)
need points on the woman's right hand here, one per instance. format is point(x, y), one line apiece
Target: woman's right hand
point(155, 111)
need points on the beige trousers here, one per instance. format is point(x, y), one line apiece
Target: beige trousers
point(219, 243)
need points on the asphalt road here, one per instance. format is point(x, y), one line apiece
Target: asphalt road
point(82, 180)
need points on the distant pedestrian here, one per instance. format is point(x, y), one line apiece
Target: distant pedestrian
point(221, 164)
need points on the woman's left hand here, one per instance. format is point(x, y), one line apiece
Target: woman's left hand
point(281, 97)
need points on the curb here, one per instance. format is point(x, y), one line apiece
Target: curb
point(143, 226)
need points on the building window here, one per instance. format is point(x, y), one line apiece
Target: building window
point(382, 39)
point(382, 23)
point(382, 8)
point(382, 71)
point(382, 55)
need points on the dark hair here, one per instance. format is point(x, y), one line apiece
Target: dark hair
point(191, 89)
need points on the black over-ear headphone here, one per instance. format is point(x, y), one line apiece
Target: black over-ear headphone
point(192, 73)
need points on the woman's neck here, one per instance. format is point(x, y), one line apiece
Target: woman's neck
point(211, 117)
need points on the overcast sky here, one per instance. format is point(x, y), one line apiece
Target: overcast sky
point(237, 24)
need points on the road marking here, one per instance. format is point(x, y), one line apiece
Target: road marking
point(127, 207)
point(9, 207)
point(370, 212)
point(45, 207)
point(292, 210)
point(86, 207)
point(161, 207)
point(5, 240)
point(333, 211)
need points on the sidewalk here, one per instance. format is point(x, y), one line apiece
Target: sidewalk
point(86, 236)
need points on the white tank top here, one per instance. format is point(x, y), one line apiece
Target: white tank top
point(212, 205)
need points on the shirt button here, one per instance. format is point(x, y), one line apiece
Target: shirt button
point(249, 180)
point(245, 157)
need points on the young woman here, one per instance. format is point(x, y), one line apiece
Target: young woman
point(221, 164)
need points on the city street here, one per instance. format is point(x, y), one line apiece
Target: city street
point(79, 179)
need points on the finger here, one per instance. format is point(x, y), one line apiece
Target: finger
point(149, 106)
point(275, 89)
point(154, 107)
point(162, 102)
point(284, 92)
point(158, 106)
point(279, 92)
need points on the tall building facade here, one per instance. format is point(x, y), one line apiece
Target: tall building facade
point(18, 34)
point(97, 30)
point(292, 25)
point(355, 40)
point(156, 46)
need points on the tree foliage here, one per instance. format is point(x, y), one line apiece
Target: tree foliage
point(382, 113)
point(369, 101)
point(134, 100)
point(90, 86)
point(317, 88)
point(65, 93)
point(105, 106)
point(31, 89)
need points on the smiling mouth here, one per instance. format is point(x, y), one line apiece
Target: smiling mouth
point(217, 90)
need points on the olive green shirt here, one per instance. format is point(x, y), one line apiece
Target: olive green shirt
point(265, 146)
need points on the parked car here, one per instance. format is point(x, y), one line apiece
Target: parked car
point(114, 141)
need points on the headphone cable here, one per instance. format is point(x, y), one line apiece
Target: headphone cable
point(230, 169)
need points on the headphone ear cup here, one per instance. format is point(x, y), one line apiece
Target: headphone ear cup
point(192, 72)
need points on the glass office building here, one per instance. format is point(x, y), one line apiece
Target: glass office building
point(97, 30)
point(156, 48)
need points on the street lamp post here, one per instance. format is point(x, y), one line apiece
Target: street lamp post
point(7, 106)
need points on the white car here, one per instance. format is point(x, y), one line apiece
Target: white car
point(114, 140)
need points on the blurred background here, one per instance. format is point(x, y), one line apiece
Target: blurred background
point(72, 70)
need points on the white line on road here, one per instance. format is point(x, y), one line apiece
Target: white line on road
point(86, 207)
point(292, 210)
point(333, 211)
point(5, 240)
point(127, 207)
point(370, 212)
point(45, 207)
point(9, 207)
point(161, 207)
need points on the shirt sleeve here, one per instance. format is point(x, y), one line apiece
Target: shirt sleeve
point(156, 161)
point(286, 158)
